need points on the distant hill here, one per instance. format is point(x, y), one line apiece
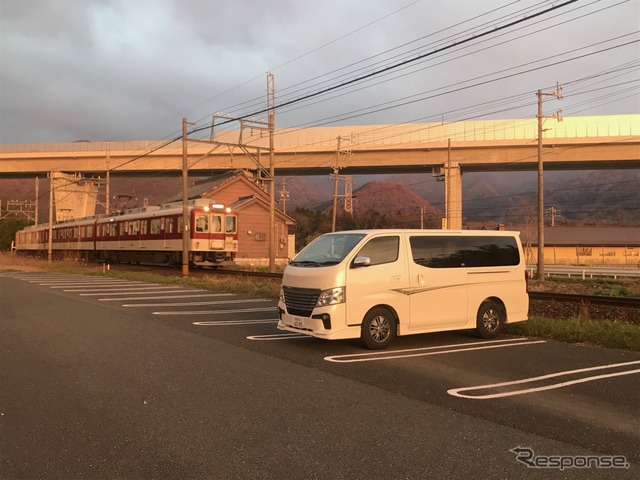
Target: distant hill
point(391, 198)
point(610, 197)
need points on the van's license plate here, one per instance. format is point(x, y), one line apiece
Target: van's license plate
point(298, 322)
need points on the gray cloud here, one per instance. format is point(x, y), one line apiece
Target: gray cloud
point(112, 70)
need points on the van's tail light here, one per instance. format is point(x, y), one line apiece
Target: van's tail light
point(526, 279)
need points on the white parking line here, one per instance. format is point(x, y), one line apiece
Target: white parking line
point(134, 293)
point(456, 391)
point(170, 296)
point(89, 284)
point(216, 312)
point(125, 288)
point(187, 304)
point(278, 336)
point(426, 351)
point(225, 323)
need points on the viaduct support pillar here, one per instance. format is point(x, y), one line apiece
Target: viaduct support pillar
point(453, 195)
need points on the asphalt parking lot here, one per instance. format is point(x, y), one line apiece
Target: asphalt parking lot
point(104, 378)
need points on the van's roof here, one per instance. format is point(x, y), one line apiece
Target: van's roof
point(509, 233)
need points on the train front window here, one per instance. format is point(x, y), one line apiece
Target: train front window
point(216, 223)
point(202, 223)
point(230, 224)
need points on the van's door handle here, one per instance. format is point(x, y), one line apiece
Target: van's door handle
point(395, 279)
point(420, 279)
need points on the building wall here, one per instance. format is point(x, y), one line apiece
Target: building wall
point(253, 225)
point(585, 255)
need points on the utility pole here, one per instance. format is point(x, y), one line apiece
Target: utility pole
point(50, 240)
point(262, 177)
point(107, 205)
point(558, 94)
point(336, 179)
point(348, 194)
point(185, 202)
point(37, 200)
point(553, 211)
point(271, 123)
point(447, 189)
point(284, 195)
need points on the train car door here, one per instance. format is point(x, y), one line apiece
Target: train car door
point(216, 236)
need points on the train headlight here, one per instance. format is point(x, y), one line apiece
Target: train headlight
point(333, 296)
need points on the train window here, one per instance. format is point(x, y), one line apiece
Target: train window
point(217, 223)
point(90, 231)
point(169, 225)
point(134, 227)
point(143, 227)
point(180, 224)
point(230, 222)
point(202, 222)
point(155, 226)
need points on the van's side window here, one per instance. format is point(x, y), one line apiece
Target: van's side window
point(466, 251)
point(437, 252)
point(491, 251)
point(381, 250)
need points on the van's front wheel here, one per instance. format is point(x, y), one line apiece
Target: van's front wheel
point(378, 328)
point(490, 320)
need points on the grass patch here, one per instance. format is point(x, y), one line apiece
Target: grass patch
point(579, 330)
point(220, 283)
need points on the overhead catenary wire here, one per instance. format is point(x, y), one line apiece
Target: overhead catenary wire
point(399, 64)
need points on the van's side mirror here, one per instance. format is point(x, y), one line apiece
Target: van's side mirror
point(361, 262)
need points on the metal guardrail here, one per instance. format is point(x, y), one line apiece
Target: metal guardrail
point(589, 272)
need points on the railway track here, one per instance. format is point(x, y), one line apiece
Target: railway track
point(543, 296)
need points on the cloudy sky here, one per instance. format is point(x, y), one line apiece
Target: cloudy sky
point(120, 69)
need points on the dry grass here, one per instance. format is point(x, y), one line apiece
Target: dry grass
point(10, 262)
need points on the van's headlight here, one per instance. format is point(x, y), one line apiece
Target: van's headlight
point(332, 296)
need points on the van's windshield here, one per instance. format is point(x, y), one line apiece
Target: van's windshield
point(328, 249)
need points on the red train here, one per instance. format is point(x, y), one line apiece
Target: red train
point(144, 235)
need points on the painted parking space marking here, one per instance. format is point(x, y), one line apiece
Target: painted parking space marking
point(456, 392)
point(198, 295)
point(277, 336)
point(224, 323)
point(128, 292)
point(96, 284)
point(188, 304)
point(101, 286)
point(428, 351)
point(217, 312)
point(125, 288)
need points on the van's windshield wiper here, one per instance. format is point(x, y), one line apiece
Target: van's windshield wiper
point(306, 263)
point(313, 263)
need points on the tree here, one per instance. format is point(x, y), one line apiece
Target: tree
point(8, 228)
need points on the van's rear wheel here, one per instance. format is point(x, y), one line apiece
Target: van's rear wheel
point(378, 328)
point(490, 320)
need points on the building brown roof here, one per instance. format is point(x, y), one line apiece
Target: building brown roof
point(587, 236)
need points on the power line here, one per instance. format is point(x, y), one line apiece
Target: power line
point(402, 63)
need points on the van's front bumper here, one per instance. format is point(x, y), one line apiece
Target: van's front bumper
point(324, 322)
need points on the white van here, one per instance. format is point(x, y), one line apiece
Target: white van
point(376, 284)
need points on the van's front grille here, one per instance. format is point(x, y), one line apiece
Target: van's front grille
point(300, 301)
